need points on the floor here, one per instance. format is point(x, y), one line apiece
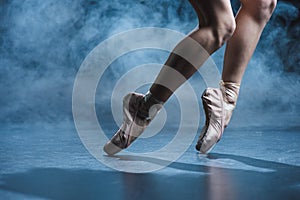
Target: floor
point(48, 162)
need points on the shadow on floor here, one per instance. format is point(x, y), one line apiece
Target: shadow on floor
point(212, 183)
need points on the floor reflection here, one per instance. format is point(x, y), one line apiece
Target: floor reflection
point(177, 181)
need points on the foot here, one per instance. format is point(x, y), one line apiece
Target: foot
point(218, 104)
point(215, 120)
point(135, 120)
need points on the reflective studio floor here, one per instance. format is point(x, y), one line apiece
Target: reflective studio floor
point(51, 163)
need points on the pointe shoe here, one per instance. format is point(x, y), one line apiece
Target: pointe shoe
point(218, 104)
point(134, 123)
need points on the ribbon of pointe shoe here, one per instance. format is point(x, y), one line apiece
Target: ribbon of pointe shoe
point(230, 92)
point(149, 106)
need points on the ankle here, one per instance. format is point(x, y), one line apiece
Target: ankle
point(149, 106)
point(230, 91)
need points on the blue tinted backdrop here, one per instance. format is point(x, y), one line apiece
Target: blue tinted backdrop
point(42, 44)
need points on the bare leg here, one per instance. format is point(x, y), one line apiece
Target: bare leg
point(219, 103)
point(216, 25)
point(250, 21)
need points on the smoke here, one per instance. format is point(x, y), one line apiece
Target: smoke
point(272, 83)
point(42, 44)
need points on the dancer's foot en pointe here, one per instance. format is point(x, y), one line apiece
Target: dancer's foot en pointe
point(218, 104)
point(138, 112)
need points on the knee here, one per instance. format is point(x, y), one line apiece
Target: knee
point(217, 34)
point(222, 31)
point(265, 9)
point(218, 23)
point(261, 10)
